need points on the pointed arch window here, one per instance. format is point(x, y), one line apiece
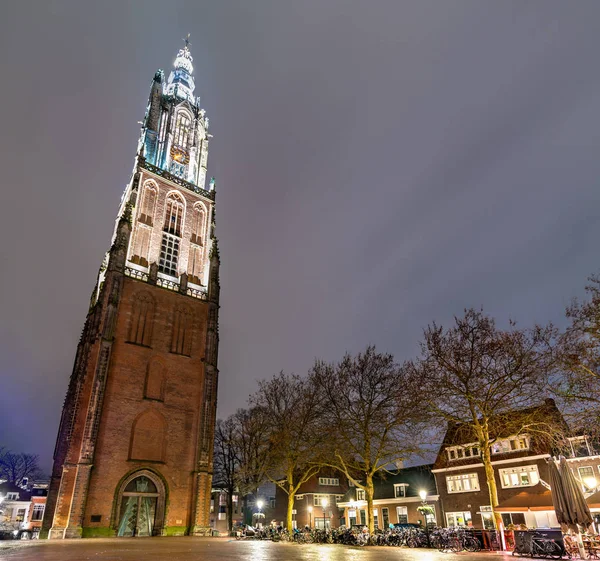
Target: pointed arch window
point(182, 131)
point(141, 245)
point(198, 222)
point(142, 319)
point(148, 204)
point(181, 342)
point(174, 215)
point(171, 241)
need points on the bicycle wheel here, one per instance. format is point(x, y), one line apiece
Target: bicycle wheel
point(551, 549)
point(472, 545)
point(455, 545)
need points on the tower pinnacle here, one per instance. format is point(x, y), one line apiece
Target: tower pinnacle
point(181, 83)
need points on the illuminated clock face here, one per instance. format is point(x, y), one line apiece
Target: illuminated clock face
point(179, 155)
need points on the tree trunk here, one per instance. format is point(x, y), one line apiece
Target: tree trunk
point(493, 491)
point(229, 511)
point(369, 491)
point(290, 507)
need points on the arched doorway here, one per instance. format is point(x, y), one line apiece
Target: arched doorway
point(141, 505)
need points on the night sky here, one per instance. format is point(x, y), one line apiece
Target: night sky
point(379, 165)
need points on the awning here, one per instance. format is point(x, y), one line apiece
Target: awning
point(526, 501)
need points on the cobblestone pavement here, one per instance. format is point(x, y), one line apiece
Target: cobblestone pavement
point(218, 549)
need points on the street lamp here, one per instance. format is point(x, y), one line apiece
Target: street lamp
point(310, 516)
point(260, 503)
point(424, 509)
point(324, 503)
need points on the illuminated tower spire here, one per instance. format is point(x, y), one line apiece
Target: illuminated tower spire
point(181, 83)
point(141, 404)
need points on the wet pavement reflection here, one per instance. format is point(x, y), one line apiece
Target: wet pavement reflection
point(217, 549)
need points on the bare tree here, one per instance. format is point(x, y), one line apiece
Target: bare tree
point(479, 375)
point(226, 462)
point(374, 414)
point(252, 450)
point(15, 467)
point(293, 407)
point(578, 354)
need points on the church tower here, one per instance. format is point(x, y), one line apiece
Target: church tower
point(133, 455)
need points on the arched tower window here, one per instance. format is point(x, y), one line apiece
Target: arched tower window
point(148, 204)
point(181, 342)
point(181, 136)
point(173, 226)
point(174, 215)
point(196, 256)
point(198, 221)
point(142, 319)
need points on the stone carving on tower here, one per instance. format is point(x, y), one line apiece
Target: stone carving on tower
point(138, 420)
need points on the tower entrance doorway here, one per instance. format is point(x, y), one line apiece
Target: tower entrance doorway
point(141, 508)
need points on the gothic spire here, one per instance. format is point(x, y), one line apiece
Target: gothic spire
point(181, 83)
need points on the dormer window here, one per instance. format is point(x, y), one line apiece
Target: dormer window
point(512, 444)
point(462, 452)
point(360, 494)
point(580, 446)
point(400, 490)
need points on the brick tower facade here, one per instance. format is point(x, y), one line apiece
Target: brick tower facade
point(134, 449)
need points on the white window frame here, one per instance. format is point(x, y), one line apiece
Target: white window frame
point(38, 507)
point(397, 488)
point(360, 495)
point(329, 481)
point(455, 483)
point(402, 511)
point(463, 452)
point(585, 488)
point(505, 473)
point(510, 445)
point(462, 515)
point(580, 439)
point(318, 497)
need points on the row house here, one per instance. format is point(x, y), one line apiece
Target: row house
point(317, 502)
point(218, 511)
point(397, 497)
point(246, 509)
point(22, 509)
point(520, 472)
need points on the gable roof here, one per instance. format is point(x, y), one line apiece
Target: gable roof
point(8, 487)
point(463, 433)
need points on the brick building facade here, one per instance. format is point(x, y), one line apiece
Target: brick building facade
point(397, 497)
point(520, 471)
point(308, 501)
point(134, 448)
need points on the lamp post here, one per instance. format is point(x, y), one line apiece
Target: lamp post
point(310, 516)
point(424, 508)
point(260, 503)
point(324, 503)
